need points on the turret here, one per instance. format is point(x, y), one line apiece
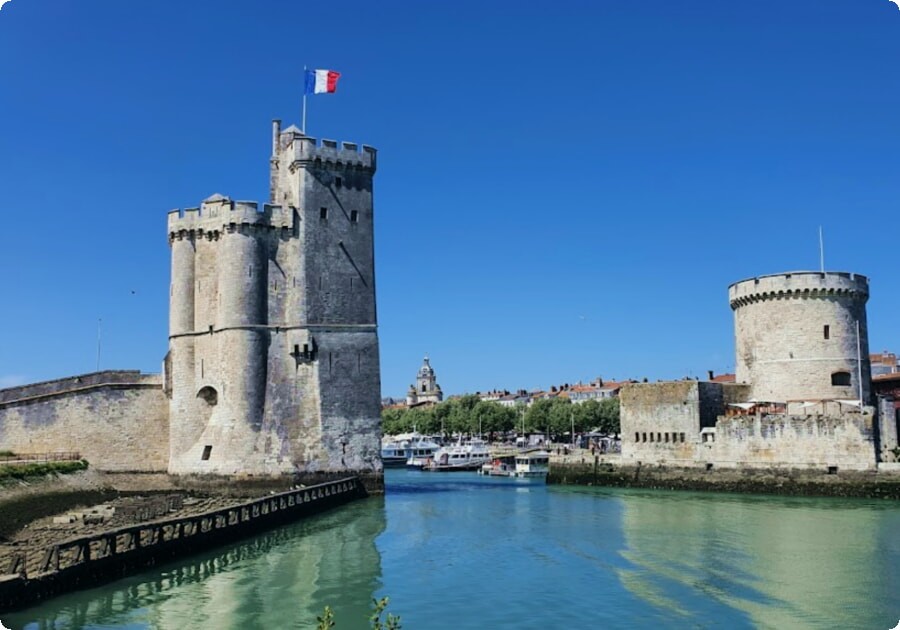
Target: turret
point(802, 336)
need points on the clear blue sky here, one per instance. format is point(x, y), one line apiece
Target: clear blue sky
point(565, 189)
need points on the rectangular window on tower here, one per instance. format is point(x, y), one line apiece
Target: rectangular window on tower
point(826, 332)
point(338, 182)
point(323, 213)
point(354, 216)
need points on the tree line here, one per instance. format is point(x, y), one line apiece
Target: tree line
point(468, 415)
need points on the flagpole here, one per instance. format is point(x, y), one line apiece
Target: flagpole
point(821, 251)
point(303, 118)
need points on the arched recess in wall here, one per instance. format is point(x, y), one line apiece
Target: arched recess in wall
point(209, 395)
point(840, 379)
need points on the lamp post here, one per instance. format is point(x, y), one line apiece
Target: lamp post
point(572, 414)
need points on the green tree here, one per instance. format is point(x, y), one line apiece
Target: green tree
point(537, 417)
point(494, 417)
point(419, 419)
point(392, 421)
point(587, 416)
point(609, 416)
point(561, 413)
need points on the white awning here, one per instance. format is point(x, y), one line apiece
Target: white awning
point(852, 403)
point(744, 406)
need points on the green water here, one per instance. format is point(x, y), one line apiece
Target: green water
point(461, 551)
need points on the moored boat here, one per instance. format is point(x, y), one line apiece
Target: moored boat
point(534, 464)
point(394, 453)
point(421, 452)
point(469, 455)
point(499, 467)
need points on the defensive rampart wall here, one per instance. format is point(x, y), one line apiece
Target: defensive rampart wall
point(116, 420)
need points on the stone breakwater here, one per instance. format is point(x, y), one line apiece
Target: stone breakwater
point(94, 558)
point(869, 485)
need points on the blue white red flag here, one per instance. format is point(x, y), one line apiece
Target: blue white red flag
point(321, 81)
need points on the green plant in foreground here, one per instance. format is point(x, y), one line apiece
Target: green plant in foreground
point(378, 606)
point(326, 621)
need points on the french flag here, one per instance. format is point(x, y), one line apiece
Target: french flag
point(321, 81)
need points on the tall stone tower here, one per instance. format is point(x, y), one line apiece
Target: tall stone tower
point(426, 388)
point(273, 363)
point(802, 336)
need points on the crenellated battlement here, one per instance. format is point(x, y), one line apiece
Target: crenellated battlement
point(299, 149)
point(219, 213)
point(798, 284)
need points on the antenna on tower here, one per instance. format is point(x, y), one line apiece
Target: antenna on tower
point(821, 251)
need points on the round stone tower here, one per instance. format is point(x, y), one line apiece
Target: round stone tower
point(802, 336)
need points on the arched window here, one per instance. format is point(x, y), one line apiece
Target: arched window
point(840, 379)
point(208, 394)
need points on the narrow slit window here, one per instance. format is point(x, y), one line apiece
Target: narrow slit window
point(207, 451)
point(338, 182)
point(354, 216)
point(826, 331)
point(323, 213)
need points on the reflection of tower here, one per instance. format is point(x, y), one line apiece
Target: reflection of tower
point(780, 562)
point(278, 579)
point(426, 388)
point(801, 335)
point(273, 363)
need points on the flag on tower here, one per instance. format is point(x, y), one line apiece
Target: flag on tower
point(321, 81)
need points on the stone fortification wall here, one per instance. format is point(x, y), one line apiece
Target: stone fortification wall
point(118, 421)
point(792, 441)
point(71, 383)
point(273, 349)
point(684, 423)
point(660, 421)
point(888, 430)
point(794, 332)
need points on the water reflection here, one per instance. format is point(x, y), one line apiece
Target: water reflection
point(282, 578)
point(763, 562)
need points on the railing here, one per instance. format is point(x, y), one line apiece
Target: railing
point(28, 458)
point(128, 541)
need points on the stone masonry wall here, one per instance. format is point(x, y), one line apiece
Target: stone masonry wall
point(116, 426)
point(789, 441)
point(660, 421)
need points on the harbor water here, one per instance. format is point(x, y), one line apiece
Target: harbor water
point(460, 551)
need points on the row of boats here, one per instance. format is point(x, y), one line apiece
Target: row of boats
point(424, 453)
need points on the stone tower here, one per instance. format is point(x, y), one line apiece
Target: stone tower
point(801, 335)
point(273, 363)
point(426, 388)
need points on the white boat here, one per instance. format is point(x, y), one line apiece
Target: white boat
point(504, 466)
point(469, 455)
point(394, 453)
point(534, 464)
point(421, 452)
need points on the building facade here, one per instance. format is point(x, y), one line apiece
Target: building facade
point(426, 388)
